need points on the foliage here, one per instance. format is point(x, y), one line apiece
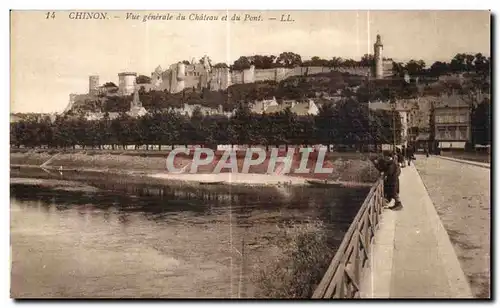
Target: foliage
point(347, 122)
point(291, 274)
point(481, 123)
point(110, 85)
point(141, 79)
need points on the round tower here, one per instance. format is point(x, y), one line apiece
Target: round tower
point(93, 85)
point(180, 76)
point(126, 83)
point(181, 71)
point(377, 50)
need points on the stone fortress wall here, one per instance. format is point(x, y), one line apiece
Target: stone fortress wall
point(181, 76)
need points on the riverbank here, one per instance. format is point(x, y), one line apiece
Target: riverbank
point(54, 184)
point(346, 170)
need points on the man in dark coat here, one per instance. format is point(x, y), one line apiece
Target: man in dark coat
point(389, 166)
point(409, 154)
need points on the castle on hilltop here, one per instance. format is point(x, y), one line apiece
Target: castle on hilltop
point(203, 75)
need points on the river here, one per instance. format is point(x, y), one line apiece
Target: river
point(126, 238)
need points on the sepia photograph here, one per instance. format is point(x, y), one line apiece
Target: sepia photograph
point(260, 154)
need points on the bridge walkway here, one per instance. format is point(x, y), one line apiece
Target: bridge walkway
point(412, 256)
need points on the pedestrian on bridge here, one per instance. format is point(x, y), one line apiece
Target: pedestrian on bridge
point(388, 165)
point(410, 154)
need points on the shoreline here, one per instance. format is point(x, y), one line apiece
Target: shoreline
point(224, 178)
point(346, 171)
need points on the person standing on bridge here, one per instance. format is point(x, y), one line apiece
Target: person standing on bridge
point(410, 154)
point(400, 157)
point(389, 166)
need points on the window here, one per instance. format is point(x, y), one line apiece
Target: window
point(453, 132)
point(441, 134)
point(462, 132)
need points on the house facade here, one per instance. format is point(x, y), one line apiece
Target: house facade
point(452, 127)
point(404, 112)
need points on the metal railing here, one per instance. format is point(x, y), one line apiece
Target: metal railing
point(343, 276)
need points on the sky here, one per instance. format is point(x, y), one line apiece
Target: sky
point(51, 58)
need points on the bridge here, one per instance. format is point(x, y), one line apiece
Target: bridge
point(437, 246)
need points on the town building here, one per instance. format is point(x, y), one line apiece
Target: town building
point(260, 107)
point(451, 119)
point(299, 108)
point(188, 110)
point(404, 112)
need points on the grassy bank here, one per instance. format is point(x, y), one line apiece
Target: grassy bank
point(290, 274)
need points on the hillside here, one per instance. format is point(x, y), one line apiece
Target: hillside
point(297, 88)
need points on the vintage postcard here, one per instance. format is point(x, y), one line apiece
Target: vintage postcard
point(250, 154)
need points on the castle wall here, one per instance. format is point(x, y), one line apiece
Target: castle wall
point(387, 68)
point(93, 85)
point(249, 75)
point(220, 79)
point(156, 79)
point(317, 70)
point(179, 76)
point(265, 74)
point(195, 76)
point(236, 77)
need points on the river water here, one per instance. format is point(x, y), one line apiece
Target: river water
point(113, 237)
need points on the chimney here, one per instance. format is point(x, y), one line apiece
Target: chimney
point(221, 110)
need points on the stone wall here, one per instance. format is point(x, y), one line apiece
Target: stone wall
point(222, 78)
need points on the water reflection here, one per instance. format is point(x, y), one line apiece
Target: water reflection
point(156, 240)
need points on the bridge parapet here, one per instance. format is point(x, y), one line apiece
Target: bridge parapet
point(343, 276)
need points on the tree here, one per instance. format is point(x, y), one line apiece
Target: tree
point(458, 63)
point(242, 63)
point(367, 60)
point(335, 62)
point(415, 67)
point(439, 68)
point(399, 68)
point(316, 61)
point(221, 65)
point(326, 126)
point(263, 62)
point(110, 85)
point(142, 79)
point(481, 64)
point(289, 59)
point(481, 123)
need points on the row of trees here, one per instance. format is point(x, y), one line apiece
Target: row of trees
point(481, 123)
point(461, 62)
point(290, 59)
point(347, 123)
